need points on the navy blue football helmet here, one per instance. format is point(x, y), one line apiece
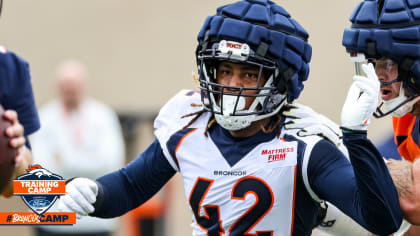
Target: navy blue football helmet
point(260, 33)
point(389, 29)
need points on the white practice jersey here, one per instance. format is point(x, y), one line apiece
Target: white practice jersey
point(253, 195)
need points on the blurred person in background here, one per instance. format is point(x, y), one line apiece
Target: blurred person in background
point(79, 137)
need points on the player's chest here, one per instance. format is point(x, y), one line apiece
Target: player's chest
point(251, 194)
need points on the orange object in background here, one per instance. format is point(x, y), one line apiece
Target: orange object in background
point(149, 218)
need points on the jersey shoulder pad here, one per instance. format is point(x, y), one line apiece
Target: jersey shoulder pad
point(171, 116)
point(183, 103)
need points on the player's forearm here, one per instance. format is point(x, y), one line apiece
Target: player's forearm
point(375, 186)
point(133, 185)
point(406, 177)
point(115, 196)
point(21, 166)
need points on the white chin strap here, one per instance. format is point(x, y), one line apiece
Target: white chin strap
point(233, 122)
point(404, 109)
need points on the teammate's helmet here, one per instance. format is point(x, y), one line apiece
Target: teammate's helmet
point(260, 33)
point(389, 29)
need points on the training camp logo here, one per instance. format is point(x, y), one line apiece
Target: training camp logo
point(39, 188)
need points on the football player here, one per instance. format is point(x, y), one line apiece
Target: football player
point(17, 99)
point(385, 33)
point(243, 173)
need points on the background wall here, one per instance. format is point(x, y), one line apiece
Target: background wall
point(139, 53)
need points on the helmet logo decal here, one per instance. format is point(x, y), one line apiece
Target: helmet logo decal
point(234, 45)
point(234, 50)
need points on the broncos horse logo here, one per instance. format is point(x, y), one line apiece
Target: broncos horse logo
point(38, 171)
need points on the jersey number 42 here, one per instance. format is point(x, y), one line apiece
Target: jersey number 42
point(212, 223)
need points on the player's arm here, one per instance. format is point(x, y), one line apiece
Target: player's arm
point(117, 193)
point(18, 101)
point(19, 95)
point(363, 189)
point(367, 187)
point(23, 161)
point(340, 224)
point(406, 177)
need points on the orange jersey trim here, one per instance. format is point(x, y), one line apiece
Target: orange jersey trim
point(407, 146)
point(293, 207)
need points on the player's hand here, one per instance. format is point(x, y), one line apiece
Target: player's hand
point(361, 101)
point(81, 194)
point(15, 132)
point(312, 123)
point(17, 140)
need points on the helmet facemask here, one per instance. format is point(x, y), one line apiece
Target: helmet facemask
point(400, 105)
point(228, 103)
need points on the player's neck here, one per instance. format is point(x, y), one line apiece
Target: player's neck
point(251, 130)
point(416, 109)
